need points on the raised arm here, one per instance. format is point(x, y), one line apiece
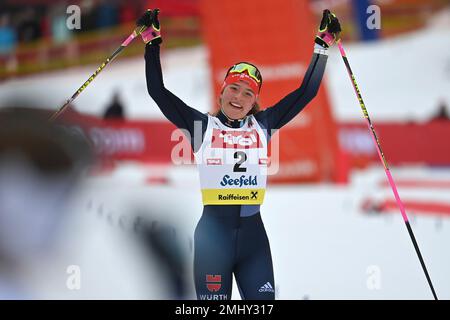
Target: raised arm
point(173, 108)
point(287, 108)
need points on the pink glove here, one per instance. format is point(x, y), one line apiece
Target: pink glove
point(152, 33)
point(329, 30)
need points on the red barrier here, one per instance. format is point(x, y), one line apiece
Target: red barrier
point(159, 142)
point(143, 141)
point(402, 143)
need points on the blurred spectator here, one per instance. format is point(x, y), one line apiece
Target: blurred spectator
point(442, 113)
point(40, 165)
point(29, 28)
point(107, 14)
point(115, 109)
point(8, 37)
point(8, 43)
point(88, 13)
point(59, 30)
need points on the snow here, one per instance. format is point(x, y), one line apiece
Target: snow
point(400, 79)
point(323, 245)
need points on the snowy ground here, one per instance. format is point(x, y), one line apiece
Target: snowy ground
point(323, 245)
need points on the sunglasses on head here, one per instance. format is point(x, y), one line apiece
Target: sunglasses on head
point(251, 70)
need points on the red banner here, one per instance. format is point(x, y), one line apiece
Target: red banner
point(279, 39)
point(402, 143)
point(142, 141)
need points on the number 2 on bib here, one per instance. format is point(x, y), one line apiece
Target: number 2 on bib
point(242, 156)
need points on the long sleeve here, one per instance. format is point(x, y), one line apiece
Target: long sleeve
point(173, 108)
point(287, 108)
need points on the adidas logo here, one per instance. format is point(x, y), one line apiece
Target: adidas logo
point(266, 288)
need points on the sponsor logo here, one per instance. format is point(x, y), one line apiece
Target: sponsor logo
point(214, 162)
point(213, 297)
point(237, 197)
point(267, 287)
point(213, 282)
point(231, 196)
point(112, 141)
point(241, 181)
point(235, 139)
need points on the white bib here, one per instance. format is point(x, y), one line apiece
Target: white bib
point(232, 163)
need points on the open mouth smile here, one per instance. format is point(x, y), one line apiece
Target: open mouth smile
point(236, 106)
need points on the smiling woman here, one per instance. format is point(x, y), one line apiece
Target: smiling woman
point(232, 158)
point(240, 91)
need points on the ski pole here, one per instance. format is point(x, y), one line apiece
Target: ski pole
point(136, 32)
point(385, 164)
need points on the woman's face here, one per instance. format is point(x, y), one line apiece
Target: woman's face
point(237, 100)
